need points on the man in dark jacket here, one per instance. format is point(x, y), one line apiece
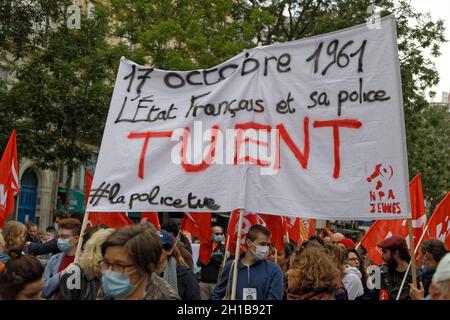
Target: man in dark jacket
point(258, 278)
point(210, 272)
point(396, 258)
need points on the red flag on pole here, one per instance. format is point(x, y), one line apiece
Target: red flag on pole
point(292, 228)
point(418, 214)
point(111, 219)
point(9, 181)
point(439, 224)
point(151, 217)
point(272, 222)
point(198, 224)
point(383, 229)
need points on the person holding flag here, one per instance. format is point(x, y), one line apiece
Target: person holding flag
point(258, 278)
point(396, 258)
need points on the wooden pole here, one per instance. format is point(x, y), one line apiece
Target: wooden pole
point(236, 257)
point(409, 265)
point(80, 240)
point(227, 245)
point(412, 252)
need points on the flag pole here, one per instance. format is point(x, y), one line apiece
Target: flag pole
point(80, 239)
point(236, 257)
point(409, 265)
point(227, 245)
point(412, 252)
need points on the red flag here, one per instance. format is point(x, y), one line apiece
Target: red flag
point(151, 217)
point(312, 226)
point(439, 224)
point(380, 230)
point(383, 229)
point(198, 224)
point(329, 232)
point(9, 181)
point(292, 228)
point(111, 219)
point(418, 214)
point(272, 222)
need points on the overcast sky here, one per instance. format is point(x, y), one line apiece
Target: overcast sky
point(439, 9)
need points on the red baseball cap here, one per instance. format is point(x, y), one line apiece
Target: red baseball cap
point(393, 242)
point(348, 243)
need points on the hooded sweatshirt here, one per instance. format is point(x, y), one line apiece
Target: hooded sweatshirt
point(263, 275)
point(352, 282)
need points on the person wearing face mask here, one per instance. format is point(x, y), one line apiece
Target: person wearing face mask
point(258, 278)
point(48, 247)
point(131, 256)
point(68, 237)
point(210, 272)
point(430, 254)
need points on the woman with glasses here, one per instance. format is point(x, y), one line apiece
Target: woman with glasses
point(130, 257)
point(353, 259)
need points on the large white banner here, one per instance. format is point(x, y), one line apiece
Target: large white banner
point(311, 128)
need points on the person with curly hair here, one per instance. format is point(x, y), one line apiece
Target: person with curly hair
point(14, 235)
point(22, 279)
point(312, 276)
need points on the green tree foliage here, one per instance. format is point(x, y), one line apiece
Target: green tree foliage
point(23, 24)
point(60, 101)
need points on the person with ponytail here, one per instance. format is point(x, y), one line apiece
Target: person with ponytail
point(22, 279)
point(14, 235)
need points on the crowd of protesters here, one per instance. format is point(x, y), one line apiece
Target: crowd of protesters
point(138, 262)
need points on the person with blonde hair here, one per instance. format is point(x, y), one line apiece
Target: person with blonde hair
point(312, 276)
point(87, 272)
point(3, 255)
point(14, 235)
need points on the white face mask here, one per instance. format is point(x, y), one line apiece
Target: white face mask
point(261, 252)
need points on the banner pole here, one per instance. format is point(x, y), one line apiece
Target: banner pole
point(227, 245)
point(412, 253)
point(236, 257)
point(80, 240)
point(409, 265)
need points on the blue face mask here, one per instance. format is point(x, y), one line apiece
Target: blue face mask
point(217, 238)
point(63, 245)
point(116, 285)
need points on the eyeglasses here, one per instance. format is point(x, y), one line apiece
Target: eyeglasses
point(119, 268)
point(353, 259)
